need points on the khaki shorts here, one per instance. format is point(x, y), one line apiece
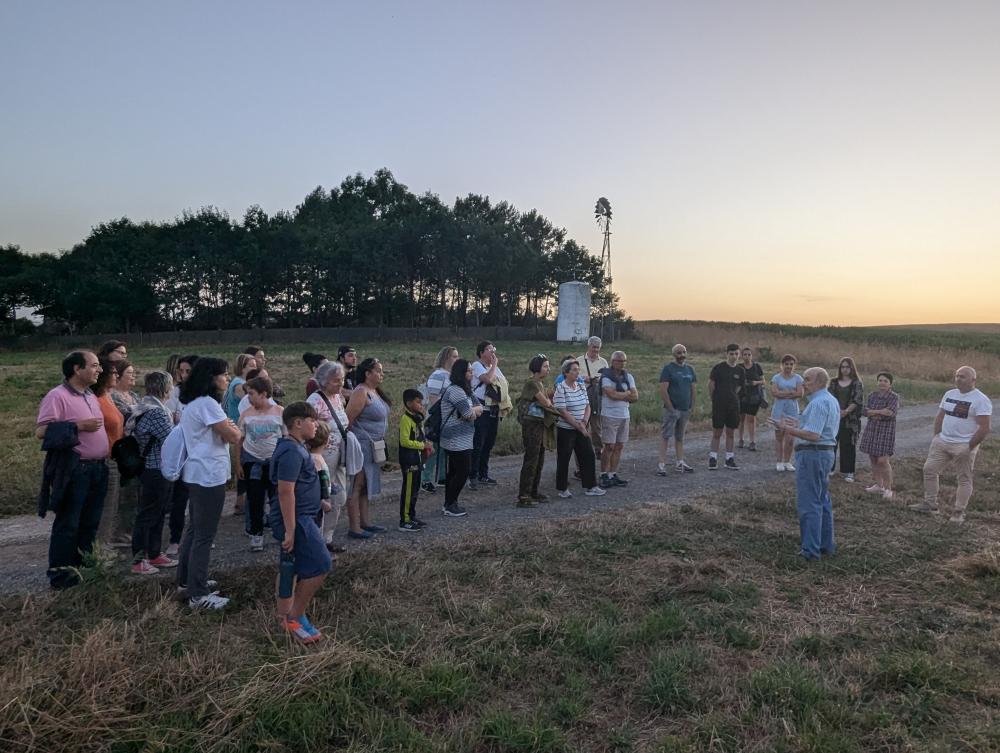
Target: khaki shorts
point(614, 430)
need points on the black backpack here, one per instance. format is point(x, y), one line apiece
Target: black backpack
point(433, 425)
point(127, 456)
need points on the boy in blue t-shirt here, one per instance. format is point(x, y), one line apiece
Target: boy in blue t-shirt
point(293, 520)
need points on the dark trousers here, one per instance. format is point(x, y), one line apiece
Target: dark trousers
point(568, 442)
point(154, 501)
point(178, 506)
point(847, 449)
point(408, 494)
point(77, 520)
point(258, 490)
point(458, 473)
point(482, 445)
point(533, 435)
point(196, 545)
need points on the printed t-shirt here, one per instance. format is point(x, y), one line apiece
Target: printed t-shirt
point(292, 462)
point(207, 454)
point(612, 407)
point(679, 378)
point(63, 403)
point(961, 410)
point(261, 433)
point(729, 381)
point(332, 451)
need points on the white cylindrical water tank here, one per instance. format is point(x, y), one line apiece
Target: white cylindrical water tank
point(573, 322)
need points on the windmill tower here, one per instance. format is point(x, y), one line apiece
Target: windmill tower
point(602, 213)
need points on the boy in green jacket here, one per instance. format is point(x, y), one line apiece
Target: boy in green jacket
point(412, 447)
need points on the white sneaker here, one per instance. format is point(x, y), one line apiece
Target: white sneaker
point(596, 491)
point(887, 494)
point(208, 601)
point(958, 518)
point(849, 478)
point(565, 494)
point(874, 489)
point(789, 467)
point(256, 543)
point(779, 467)
point(172, 550)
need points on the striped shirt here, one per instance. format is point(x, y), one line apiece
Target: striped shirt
point(437, 381)
point(456, 433)
point(574, 401)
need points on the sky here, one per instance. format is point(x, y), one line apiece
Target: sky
point(806, 162)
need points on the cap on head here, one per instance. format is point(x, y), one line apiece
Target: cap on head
point(343, 350)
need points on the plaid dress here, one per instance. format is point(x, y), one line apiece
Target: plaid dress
point(879, 439)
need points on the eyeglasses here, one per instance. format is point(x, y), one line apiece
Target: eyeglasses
point(542, 356)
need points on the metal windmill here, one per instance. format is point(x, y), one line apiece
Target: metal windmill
point(602, 213)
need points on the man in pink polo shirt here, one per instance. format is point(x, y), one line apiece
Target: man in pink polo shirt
point(78, 512)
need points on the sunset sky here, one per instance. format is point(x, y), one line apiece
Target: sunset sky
point(816, 162)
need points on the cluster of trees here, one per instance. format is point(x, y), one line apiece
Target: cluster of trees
point(367, 253)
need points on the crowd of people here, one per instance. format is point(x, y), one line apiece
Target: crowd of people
point(298, 464)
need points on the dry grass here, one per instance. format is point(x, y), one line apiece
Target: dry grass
point(924, 363)
point(671, 628)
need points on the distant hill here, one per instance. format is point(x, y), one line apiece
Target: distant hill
point(966, 327)
point(982, 338)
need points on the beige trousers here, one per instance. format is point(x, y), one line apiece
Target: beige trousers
point(940, 457)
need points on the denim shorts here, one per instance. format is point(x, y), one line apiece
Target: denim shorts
point(674, 422)
point(311, 556)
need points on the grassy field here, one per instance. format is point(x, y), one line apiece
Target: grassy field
point(670, 629)
point(26, 377)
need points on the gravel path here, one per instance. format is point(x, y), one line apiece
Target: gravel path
point(24, 539)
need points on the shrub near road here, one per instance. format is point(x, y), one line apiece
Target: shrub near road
point(673, 628)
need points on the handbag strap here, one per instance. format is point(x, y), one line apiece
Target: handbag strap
point(336, 418)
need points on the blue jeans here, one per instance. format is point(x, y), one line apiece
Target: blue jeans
point(77, 521)
point(814, 505)
point(434, 470)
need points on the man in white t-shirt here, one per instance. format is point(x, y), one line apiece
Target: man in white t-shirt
point(962, 423)
point(487, 383)
point(591, 364)
point(619, 390)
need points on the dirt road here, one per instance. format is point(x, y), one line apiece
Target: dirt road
point(24, 539)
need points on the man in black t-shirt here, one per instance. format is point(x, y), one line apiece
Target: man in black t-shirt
point(725, 384)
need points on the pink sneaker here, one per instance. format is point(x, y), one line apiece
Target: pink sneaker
point(163, 561)
point(144, 568)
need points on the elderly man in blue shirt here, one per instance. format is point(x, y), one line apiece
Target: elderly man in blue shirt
point(815, 433)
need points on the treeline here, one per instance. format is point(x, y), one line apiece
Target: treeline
point(367, 253)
